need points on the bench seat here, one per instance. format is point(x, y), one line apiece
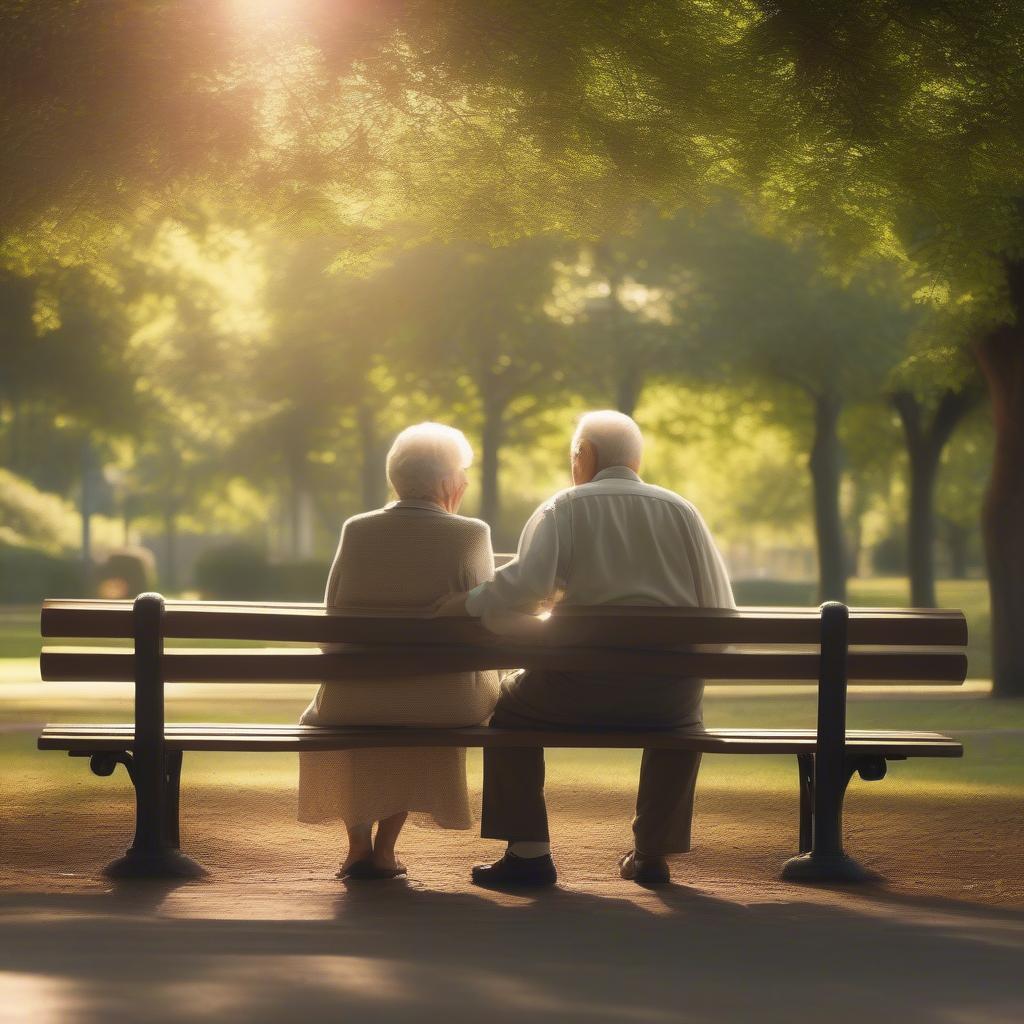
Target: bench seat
point(889, 744)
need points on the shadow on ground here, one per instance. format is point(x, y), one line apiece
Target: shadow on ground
point(271, 936)
point(403, 952)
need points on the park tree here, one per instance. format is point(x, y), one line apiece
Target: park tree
point(874, 461)
point(314, 376)
point(891, 128)
point(770, 313)
point(479, 327)
point(68, 383)
point(929, 417)
point(960, 492)
point(102, 103)
point(625, 296)
point(910, 126)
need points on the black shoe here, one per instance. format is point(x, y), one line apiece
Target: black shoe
point(512, 872)
point(644, 870)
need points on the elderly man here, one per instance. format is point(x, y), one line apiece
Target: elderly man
point(610, 539)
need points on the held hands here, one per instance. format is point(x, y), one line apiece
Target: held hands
point(521, 625)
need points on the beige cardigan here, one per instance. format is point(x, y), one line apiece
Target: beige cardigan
point(401, 557)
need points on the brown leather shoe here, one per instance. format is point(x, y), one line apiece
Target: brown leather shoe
point(512, 872)
point(644, 870)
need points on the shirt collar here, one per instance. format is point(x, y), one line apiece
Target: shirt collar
point(426, 506)
point(617, 473)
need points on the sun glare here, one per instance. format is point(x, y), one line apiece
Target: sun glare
point(254, 13)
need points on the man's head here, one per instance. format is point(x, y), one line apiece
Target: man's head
point(605, 438)
point(428, 462)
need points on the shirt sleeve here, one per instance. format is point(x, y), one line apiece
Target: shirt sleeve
point(716, 590)
point(530, 580)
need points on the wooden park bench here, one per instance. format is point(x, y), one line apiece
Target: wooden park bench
point(826, 646)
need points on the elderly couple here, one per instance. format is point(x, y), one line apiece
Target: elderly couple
point(610, 539)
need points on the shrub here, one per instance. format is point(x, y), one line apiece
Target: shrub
point(780, 593)
point(28, 575)
point(240, 571)
point(299, 581)
point(234, 572)
point(34, 518)
point(127, 572)
point(889, 555)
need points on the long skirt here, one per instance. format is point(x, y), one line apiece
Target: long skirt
point(366, 785)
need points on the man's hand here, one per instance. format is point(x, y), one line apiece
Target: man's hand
point(450, 605)
point(518, 625)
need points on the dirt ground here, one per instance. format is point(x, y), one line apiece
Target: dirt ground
point(270, 935)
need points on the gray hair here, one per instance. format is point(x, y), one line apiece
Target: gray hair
point(614, 435)
point(424, 456)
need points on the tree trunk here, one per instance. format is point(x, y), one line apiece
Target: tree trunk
point(628, 377)
point(958, 538)
point(14, 437)
point(372, 473)
point(493, 435)
point(925, 443)
point(628, 386)
point(88, 469)
point(826, 472)
point(170, 580)
point(855, 528)
point(295, 460)
point(1001, 355)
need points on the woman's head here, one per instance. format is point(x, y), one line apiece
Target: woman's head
point(428, 462)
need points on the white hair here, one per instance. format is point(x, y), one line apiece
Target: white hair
point(615, 436)
point(423, 457)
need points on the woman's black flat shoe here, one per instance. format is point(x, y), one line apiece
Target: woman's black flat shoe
point(353, 869)
point(367, 871)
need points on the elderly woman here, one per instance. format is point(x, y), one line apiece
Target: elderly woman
point(405, 557)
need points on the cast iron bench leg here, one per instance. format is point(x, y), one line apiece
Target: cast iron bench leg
point(172, 799)
point(805, 767)
point(826, 860)
point(104, 762)
point(154, 852)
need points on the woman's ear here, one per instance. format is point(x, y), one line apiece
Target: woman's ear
point(452, 492)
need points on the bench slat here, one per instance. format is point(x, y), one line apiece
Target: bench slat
point(608, 627)
point(213, 736)
point(74, 664)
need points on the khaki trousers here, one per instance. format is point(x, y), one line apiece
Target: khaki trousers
point(513, 798)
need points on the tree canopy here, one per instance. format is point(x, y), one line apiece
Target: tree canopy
point(884, 129)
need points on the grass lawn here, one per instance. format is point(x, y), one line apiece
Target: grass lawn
point(992, 731)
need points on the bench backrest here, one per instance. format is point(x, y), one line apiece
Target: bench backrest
point(902, 645)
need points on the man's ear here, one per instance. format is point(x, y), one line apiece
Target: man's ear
point(587, 461)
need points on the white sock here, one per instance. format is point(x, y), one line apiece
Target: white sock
point(529, 850)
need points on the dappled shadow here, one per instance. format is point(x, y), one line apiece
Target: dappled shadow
point(271, 936)
point(408, 952)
